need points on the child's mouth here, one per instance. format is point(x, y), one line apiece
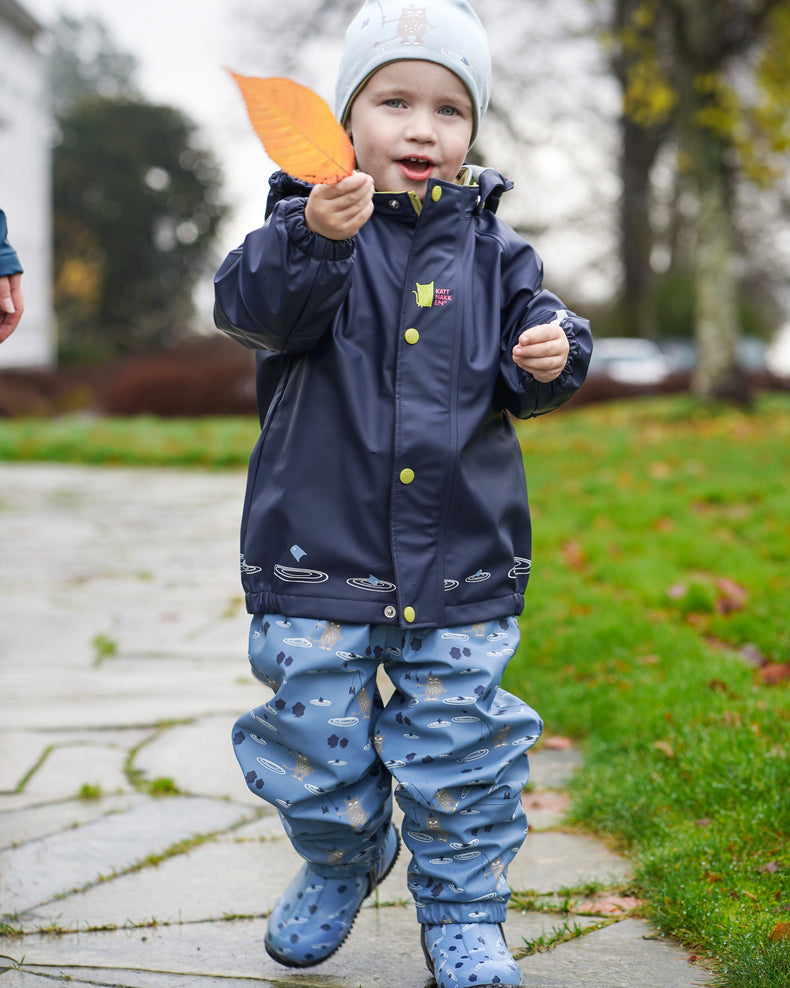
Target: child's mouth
point(416, 169)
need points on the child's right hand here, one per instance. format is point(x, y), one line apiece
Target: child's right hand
point(11, 304)
point(339, 211)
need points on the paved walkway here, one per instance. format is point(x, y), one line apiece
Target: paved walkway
point(131, 853)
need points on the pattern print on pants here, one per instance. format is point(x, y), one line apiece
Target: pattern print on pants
point(324, 751)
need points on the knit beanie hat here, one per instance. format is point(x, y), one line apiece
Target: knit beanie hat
point(447, 32)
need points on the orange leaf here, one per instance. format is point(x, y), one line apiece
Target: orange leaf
point(780, 932)
point(297, 129)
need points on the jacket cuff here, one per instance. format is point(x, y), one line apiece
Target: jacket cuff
point(310, 243)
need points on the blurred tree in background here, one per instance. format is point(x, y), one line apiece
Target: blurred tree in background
point(136, 204)
point(706, 83)
point(85, 63)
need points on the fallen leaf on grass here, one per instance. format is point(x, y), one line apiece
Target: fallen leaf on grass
point(665, 747)
point(732, 596)
point(574, 556)
point(557, 743)
point(660, 470)
point(664, 524)
point(297, 129)
point(650, 660)
point(774, 672)
point(769, 869)
point(780, 932)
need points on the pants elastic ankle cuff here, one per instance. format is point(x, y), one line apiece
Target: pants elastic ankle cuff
point(440, 913)
point(341, 871)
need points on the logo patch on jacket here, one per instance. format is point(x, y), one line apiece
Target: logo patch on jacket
point(428, 295)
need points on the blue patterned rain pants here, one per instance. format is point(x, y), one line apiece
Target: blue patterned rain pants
point(324, 748)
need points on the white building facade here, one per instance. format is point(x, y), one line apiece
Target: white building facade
point(25, 182)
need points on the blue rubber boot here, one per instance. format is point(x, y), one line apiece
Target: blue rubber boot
point(313, 917)
point(469, 955)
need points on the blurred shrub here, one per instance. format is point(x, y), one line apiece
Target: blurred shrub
point(207, 376)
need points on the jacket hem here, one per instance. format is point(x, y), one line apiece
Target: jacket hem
point(369, 612)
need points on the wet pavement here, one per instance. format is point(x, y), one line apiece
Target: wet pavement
point(131, 853)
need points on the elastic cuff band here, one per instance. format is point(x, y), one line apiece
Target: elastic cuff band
point(438, 913)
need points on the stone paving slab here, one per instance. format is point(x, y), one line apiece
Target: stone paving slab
point(96, 764)
point(199, 757)
point(22, 751)
point(119, 692)
point(553, 768)
point(624, 955)
point(551, 861)
point(145, 562)
point(38, 871)
point(31, 823)
point(234, 875)
point(235, 951)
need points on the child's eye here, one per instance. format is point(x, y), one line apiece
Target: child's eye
point(449, 111)
point(395, 102)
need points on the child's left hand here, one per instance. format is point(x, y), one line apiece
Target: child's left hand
point(542, 351)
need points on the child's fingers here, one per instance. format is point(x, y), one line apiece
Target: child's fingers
point(542, 351)
point(339, 211)
point(6, 302)
point(355, 187)
point(544, 333)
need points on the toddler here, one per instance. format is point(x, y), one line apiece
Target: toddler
point(399, 324)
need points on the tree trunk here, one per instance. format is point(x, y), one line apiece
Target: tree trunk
point(636, 238)
point(636, 314)
point(718, 375)
point(705, 41)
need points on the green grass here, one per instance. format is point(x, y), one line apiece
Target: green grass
point(660, 580)
point(660, 568)
point(212, 443)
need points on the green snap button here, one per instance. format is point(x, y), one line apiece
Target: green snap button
point(408, 614)
point(411, 335)
point(436, 193)
point(406, 476)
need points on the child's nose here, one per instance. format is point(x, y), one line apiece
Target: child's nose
point(420, 127)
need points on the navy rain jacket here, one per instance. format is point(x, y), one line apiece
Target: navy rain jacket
point(387, 485)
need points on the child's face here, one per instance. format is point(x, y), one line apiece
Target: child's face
point(412, 121)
